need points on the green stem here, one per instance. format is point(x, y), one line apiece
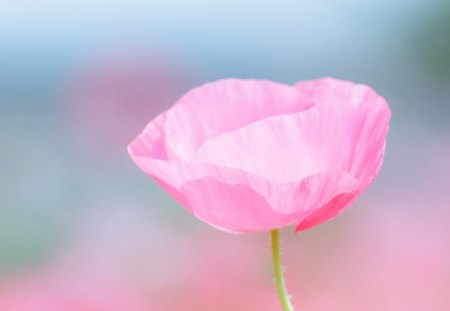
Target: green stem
point(278, 270)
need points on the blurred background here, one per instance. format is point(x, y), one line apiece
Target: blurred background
point(82, 229)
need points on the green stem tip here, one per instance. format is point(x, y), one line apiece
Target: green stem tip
point(278, 271)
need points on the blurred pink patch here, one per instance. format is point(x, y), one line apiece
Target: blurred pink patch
point(255, 155)
point(53, 292)
point(118, 262)
point(404, 265)
point(108, 99)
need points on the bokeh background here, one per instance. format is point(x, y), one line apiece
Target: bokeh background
point(82, 229)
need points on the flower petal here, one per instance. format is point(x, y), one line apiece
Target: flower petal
point(327, 211)
point(332, 136)
point(326, 89)
point(237, 201)
point(360, 119)
point(230, 206)
point(224, 106)
point(151, 142)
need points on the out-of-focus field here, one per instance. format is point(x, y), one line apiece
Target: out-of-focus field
point(82, 229)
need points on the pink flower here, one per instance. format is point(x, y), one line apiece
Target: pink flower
point(255, 155)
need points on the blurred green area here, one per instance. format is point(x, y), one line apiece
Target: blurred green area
point(432, 40)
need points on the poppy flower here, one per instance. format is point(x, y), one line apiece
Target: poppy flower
point(254, 155)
